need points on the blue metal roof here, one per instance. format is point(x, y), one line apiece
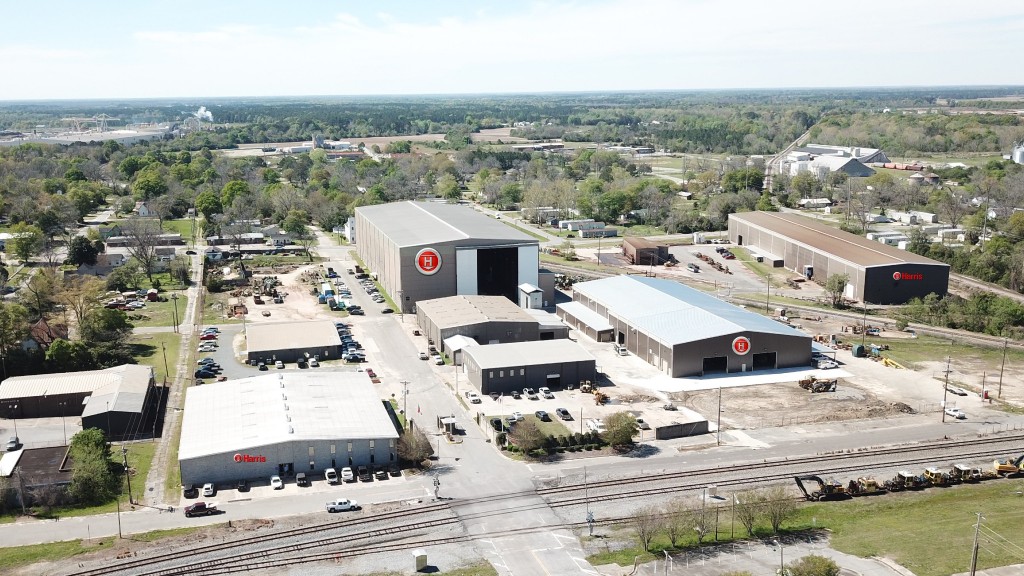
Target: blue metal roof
point(673, 313)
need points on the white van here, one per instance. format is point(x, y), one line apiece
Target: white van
point(595, 425)
point(620, 349)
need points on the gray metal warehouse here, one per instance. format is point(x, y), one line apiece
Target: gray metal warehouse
point(287, 341)
point(123, 401)
point(282, 424)
point(682, 331)
point(426, 250)
point(486, 319)
point(878, 273)
point(503, 368)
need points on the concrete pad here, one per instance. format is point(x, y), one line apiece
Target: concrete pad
point(664, 383)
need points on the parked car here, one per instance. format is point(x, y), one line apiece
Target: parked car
point(331, 475)
point(356, 312)
point(301, 479)
point(276, 483)
point(542, 415)
point(424, 356)
point(190, 491)
point(242, 486)
point(473, 397)
point(279, 364)
point(313, 363)
point(563, 414)
point(342, 505)
point(347, 475)
point(262, 366)
point(365, 475)
point(642, 424)
point(546, 392)
point(205, 374)
point(498, 425)
point(209, 489)
point(208, 336)
point(380, 473)
point(517, 416)
point(956, 413)
point(204, 361)
point(693, 267)
point(438, 360)
point(516, 395)
point(957, 390)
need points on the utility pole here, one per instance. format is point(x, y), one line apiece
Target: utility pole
point(945, 390)
point(586, 497)
point(719, 430)
point(864, 322)
point(163, 347)
point(405, 400)
point(974, 548)
point(999, 394)
point(768, 294)
point(127, 478)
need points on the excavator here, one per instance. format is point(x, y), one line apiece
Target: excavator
point(827, 489)
point(1009, 467)
point(864, 486)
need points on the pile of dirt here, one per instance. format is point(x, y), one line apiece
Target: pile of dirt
point(249, 525)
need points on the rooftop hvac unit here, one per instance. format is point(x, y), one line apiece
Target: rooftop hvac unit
point(283, 397)
point(291, 430)
point(285, 407)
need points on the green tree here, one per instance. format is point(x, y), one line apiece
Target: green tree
point(232, 190)
point(813, 565)
point(778, 506)
point(527, 436)
point(805, 184)
point(620, 428)
point(647, 523)
point(13, 325)
point(130, 165)
point(149, 183)
point(751, 178)
point(69, 356)
point(447, 187)
point(765, 204)
point(208, 204)
point(835, 286)
point(82, 251)
point(93, 480)
point(26, 241)
point(748, 509)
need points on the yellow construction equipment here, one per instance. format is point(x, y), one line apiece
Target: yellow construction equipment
point(1009, 467)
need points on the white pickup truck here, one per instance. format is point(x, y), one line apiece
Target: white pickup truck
point(473, 397)
point(342, 505)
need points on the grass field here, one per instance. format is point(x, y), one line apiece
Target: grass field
point(928, 532)
point(214, 310)
point(161, 313)
point(525, 231)
point(147, 349)
point(640, 230)
point(183, 227)
point(19, 556)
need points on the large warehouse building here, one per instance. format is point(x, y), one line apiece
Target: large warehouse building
point(425, 250)
point(878, 273)
point(288, 341)
point(682, 331)
point(122, 401)
point(282, 424)
point(503, 368)
point(484, 319)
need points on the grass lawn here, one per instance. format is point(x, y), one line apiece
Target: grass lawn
point(640, 230)
point(146, 348)
point(19, 556)
point(553, 427)
point(167, 282)
point(270, 260)
point(182, 226)
point(140, 459)
point(551, 259)
point(161, 313)
point(526, 231)
point(928, 532)
point(172, 474)
point(25, 555)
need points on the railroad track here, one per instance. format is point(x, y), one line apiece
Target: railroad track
point(359, 539)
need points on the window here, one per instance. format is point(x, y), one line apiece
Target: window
point(391, 444)
point(501, 373)
point(522, 371)
point(350, 447)
point(490, 374)
point(311, 452)
point(333, 451)
point(371, 444)
point(312, 465)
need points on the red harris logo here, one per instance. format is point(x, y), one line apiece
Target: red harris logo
point(907, 276)
point(250, 458)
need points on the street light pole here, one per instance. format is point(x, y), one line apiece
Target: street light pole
point(63, 422)
point(719, 429)
point(945, 390)
point(14, 416)
point(405, 400)
point(999, 394)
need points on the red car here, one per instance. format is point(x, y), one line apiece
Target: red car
point(208, 337)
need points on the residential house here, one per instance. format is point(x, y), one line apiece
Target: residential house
point(276, 236)
point(43, 333)
point(105, 264)
point(143, 210)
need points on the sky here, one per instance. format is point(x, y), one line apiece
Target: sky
point(73, 49)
